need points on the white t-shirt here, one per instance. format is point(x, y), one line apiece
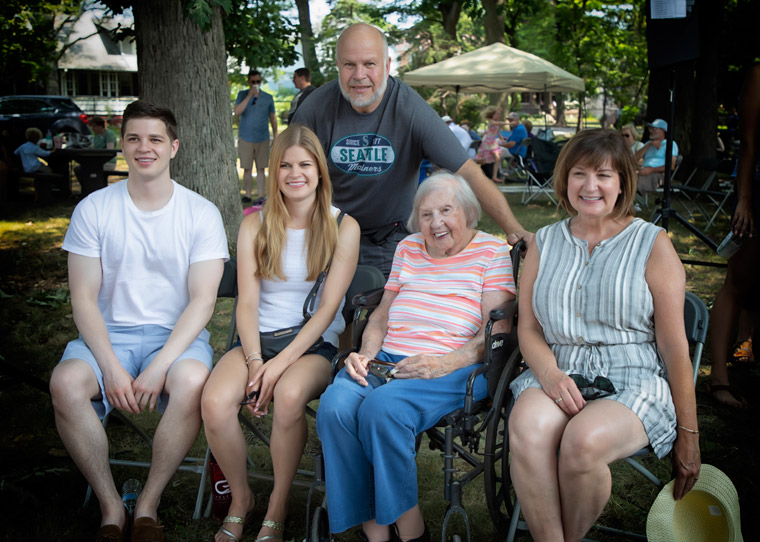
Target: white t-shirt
point(145, 256)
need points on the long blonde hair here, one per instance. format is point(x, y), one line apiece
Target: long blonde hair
point(322, 233)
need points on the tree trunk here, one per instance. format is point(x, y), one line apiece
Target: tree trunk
point(184, 69)
point(450, 12)
point(310, 59)
point(493, 23)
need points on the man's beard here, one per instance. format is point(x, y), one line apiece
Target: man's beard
point(362, 101)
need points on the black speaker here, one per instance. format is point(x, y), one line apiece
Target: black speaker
point(672, 41)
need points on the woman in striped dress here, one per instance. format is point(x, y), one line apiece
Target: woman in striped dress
point(592, 288)
point(444, 282)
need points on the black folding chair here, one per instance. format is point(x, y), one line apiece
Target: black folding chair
point(540, 170)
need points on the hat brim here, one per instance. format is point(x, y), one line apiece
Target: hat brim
point(708, 513)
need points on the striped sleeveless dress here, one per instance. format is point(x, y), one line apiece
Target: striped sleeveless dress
point(597, 312)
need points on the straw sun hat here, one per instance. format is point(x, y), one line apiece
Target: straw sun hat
point(708, 513)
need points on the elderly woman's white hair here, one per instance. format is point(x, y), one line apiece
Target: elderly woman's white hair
point(459, 188)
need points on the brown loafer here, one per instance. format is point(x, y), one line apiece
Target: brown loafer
point(109, 533)
point(147, 530)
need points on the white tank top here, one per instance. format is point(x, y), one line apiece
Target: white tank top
point(281, 301)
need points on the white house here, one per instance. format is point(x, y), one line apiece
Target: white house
point(98, 72)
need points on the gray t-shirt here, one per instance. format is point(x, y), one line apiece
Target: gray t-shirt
point(374, 158)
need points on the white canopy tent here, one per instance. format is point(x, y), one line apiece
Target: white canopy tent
point(495, 68)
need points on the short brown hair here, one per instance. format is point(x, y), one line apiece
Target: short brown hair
point(143, 109)
point(594, 148)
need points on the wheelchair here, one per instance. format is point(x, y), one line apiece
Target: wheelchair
point(474, 435)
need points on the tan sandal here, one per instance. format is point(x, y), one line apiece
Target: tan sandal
point(275, 526)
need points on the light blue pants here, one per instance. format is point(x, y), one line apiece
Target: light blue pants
point(368, 435)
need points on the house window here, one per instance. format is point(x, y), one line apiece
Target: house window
point(69, 83)
point(109, 84)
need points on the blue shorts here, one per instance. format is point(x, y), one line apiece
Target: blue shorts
point(327, 350)
point(136, 346)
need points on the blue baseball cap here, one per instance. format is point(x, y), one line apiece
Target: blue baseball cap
point(658, 123)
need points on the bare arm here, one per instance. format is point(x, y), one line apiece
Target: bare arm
point(493, 202)
point(239, 108)
point(435, 366)
point(336, 283)
point(749, 120)
point(667, 282)
point(85, 279)
point(202, 282)
point(642, 151)
point(537, 353)
point(273, 122)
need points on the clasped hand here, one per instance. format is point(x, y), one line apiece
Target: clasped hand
point(134, 394)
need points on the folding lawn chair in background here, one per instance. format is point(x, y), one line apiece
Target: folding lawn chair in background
point(540, 170)
point(698, 200)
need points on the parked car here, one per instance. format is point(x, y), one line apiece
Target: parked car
point(55, 113)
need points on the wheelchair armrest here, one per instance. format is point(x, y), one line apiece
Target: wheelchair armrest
point(370, 298)
point(504, 312)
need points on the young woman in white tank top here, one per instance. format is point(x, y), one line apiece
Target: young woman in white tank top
point(280, 253)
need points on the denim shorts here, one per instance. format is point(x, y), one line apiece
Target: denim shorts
point(135, 347)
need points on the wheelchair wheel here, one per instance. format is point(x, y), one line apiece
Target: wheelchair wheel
point(320, 529)
point(498, 484)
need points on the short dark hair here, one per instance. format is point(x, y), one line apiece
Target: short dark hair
point(255, 72)
point(97, 121)
point(303, 72)
point(593, 148)
point(143, 109)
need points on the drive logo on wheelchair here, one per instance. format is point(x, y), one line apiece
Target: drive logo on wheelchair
point(497, 344)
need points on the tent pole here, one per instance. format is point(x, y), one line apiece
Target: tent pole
point(456, 105)
point(545, 100)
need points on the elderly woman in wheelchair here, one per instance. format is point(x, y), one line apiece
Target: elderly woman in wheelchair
point(601, 330)
point(419, 346)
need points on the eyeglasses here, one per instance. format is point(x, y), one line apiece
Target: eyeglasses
point(250, 398)
point(384, 370)
point(255, 81)
point(600, 387)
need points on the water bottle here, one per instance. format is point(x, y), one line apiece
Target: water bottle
point(129, 492)
point(220, 490)
point(730, 245)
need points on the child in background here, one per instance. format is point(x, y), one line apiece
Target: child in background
point(30, 153)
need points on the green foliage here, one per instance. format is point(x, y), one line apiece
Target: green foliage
point(260, 34)
point(343, 14)
point(257, 33)
point(29, 40)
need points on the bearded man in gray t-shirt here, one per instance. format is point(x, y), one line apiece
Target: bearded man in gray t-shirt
point(376, 131)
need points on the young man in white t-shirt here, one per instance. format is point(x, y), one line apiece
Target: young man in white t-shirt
point(145, 259)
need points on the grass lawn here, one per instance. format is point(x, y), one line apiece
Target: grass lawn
point(41, 491)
